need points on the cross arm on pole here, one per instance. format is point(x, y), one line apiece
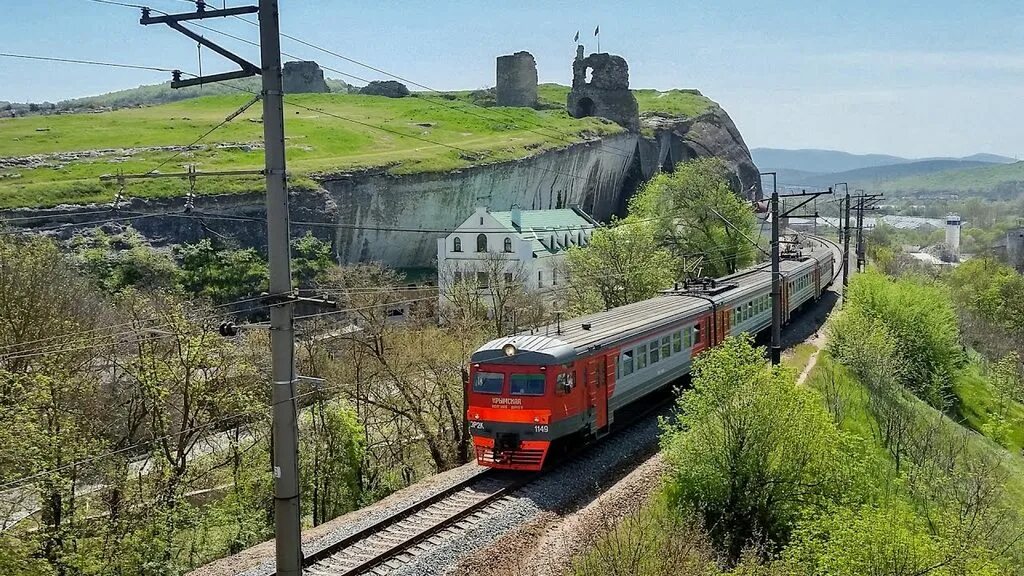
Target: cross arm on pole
point(173, 21)
point(147, 19)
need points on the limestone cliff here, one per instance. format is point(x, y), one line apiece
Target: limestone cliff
point(377, 216)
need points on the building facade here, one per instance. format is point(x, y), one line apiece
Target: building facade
point(522, 246)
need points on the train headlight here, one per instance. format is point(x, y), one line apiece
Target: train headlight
point(509, 349)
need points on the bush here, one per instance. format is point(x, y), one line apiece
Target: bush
point(905, 329)
point(749, 450)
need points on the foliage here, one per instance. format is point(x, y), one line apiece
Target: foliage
point(331, 453)
point(124, 260)
point(221, 275)
point(749, 451)
point(621, 264)
point(992, 290)
point(914, 328)
point(699, 218)
point(311, 258)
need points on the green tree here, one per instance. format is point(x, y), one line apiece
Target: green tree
point(332, 451)
point(749, 451)
point(221, 275)
point(620, 264)
point(699, 218)
point(311, 259)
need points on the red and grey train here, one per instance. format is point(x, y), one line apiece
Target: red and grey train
point(527, 391)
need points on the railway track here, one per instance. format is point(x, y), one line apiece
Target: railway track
point(399, 538)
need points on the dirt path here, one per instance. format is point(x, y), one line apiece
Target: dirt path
point(819, 341)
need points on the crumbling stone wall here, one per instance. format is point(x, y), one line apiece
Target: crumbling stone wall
point(606, 93)
point(303, 77)
point(516, 83)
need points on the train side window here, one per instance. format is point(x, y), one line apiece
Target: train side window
point(488, 382)
point(666, 346)
point(527, 384)
point(626, 363)
point(641, 356)
point(696, 334)
point(566, 382)
point(688, 335)
point(655, 353)
point(677, 342)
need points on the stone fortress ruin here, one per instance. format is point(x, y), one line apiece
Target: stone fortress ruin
point(600, 86)
point(516, 80)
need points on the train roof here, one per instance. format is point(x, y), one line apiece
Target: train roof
point(561, 342)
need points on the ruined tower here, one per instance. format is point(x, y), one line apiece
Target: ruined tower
point(516, 83)
point(600, 87)
point(301, 77)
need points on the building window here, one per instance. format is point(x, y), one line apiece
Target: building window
point(554, 277)
point(458, 277)
point(508, 277)
point(481, 279)
point(508, 244)
point(566, 240)
point(540, 278)
point(457, 244)
point(579, 238)
point(481, 242)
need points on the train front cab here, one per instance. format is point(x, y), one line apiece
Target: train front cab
point(519, 403)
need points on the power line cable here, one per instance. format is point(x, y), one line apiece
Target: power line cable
point(86, 62)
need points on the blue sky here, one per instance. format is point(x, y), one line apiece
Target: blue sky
point(904, 77)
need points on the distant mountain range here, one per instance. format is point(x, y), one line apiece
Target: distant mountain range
point(831, 161)
point(898, 175)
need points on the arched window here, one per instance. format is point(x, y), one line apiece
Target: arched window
point(508, 244)
point(457, 245)
point(481, 242)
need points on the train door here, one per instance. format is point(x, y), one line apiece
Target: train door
point(597, 388)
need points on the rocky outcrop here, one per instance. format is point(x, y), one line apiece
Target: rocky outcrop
point(389, 88)
point(711, 133)
point(303, 77)
point(374, 215)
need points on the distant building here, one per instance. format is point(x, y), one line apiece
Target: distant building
point(527, 246)
point(953, 237)
point(1015, 248)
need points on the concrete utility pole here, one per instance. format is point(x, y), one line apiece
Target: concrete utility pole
point(287, 527)
point(846, 246)
point(776, 349)
point(777, 311)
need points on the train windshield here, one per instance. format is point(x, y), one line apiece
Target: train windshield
point(488, 382)
point(528, 384)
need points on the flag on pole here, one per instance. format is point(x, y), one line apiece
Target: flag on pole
point(576, 38)
point(597, 31)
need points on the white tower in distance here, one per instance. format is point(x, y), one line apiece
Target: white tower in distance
point(953, 235)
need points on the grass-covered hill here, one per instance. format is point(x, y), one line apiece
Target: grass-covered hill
point(996, 181)
point(47, 160)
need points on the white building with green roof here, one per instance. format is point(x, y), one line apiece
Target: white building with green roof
point(525, 246)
